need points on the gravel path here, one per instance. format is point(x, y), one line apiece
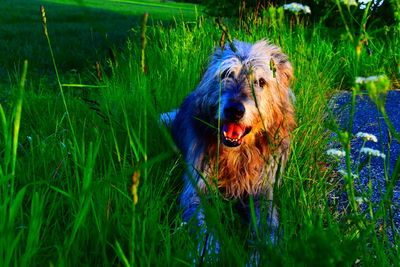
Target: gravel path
point(369, 120)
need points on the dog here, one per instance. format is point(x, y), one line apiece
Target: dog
point(234, 129)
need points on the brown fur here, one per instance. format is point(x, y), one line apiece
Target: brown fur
point(239, 169)
point(255, 165)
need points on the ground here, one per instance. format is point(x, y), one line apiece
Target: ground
point(368, 119)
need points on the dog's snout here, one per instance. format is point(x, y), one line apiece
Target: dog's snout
point(234, 111)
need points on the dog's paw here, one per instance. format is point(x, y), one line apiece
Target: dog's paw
point(208, 249)
point(209, 245)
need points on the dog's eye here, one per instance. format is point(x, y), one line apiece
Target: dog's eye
point(262, 82)
point(227, 74)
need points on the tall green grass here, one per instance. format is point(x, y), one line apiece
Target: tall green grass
point(79, 151)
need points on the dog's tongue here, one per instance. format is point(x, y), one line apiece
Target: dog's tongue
point(233, 130)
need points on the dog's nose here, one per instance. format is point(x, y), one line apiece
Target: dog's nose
point(234, 111)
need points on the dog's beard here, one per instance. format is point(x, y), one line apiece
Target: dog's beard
point(233, 134)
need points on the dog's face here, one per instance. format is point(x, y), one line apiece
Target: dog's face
point(253, 90)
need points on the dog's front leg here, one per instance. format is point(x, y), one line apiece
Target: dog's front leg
point(190, 201)
point(267, 220)
point(272, 224)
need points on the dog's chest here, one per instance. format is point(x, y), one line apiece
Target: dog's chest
point(242, 172)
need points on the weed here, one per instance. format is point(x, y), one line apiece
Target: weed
point(69, 155)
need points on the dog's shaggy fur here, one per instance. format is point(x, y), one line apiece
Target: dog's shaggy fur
point(242, 107)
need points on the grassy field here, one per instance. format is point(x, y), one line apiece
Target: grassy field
point(70, 155)
point(83, 32)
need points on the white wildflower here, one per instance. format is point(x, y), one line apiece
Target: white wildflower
point(367, 136)
point(361, 80)
point(182, 226)
point(336, 152)
point(360, 200)
point(372, 152)
point(344, 173)
point(296, 8)
point(373, 78)
point(349, 2)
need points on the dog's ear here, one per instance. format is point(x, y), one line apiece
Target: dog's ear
point(284, 69)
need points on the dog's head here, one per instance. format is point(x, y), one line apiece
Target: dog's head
point(247, 88)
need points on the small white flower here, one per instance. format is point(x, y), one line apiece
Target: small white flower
point(349, 2)
point(361, 80)
point(181, 226)
point(336, 152)
point(296, 8)
point(367, 136)
point(344, 173)
point(373, 78)
point(372, 152)
point(360, 200)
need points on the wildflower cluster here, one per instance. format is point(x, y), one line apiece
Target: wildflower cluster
point(367, 137)
point(362, 80)
point(344, 173)
point(349, 2)
point(297, 8)
point(377, 88)
point(336, 152)
point(372, 152)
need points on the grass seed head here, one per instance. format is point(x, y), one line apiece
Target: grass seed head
point(222, 41)
point(135, 181)
point(44, 20)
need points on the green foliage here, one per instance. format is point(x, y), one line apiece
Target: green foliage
point(234, 8)
point(323, 12)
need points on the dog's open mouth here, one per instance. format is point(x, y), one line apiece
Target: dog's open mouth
point(232, 134)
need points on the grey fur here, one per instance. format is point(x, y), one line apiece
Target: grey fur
point(207, 104)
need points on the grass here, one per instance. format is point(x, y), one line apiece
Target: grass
point(80, 37)
point(65, 176)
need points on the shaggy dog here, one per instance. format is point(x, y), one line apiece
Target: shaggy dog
point(234, 129)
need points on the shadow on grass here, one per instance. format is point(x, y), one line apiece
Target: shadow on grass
point(80, 35)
